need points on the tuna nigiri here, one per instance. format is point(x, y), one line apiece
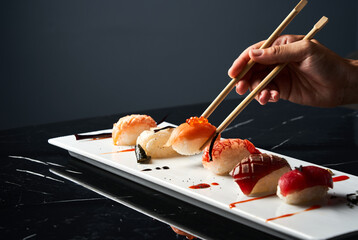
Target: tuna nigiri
point(258, 174)
point(304, 185)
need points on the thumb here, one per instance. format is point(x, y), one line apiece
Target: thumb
point(291, 52)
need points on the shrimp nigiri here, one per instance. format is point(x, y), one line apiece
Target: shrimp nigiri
point(226, 153)
point(128, 128)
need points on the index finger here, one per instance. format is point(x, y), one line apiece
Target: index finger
point(242, 60)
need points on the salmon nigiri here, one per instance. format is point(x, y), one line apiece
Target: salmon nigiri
point(189, 137)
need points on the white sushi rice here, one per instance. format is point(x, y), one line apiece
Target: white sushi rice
point(305, 196)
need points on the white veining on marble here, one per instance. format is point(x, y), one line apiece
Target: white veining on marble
point(13, 183)
point(296, 118)
point(238, 125)
point(35, 191)
point(76, 200)
point(54, 179)
point(30, 172)
point(30, 236)
point(29, 159)
point(280, 144)
point(339, 163)
point(39, 175)
point(71, 171)
point(36, 161)
point(54, 164)
point(285, 122)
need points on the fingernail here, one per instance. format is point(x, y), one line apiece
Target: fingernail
point(272, 97)
point(260, 98)
point(257, 52)
point(228, 71)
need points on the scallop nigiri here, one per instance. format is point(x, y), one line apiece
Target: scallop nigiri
point(304, 185)
point(128, 128)
point(258, 174)
point(153, 142)
point(226, 153)
point(189, 137)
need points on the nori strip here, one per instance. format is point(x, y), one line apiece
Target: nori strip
point(141, 155)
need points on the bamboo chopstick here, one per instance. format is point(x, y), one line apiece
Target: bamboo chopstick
point(317, 27)
point(251, 63)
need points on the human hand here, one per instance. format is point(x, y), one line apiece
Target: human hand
point(314, 76)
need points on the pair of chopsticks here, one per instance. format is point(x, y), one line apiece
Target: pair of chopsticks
point(317, 27)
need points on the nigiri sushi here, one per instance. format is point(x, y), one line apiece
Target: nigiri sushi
point(128, 128)
point(226, 153)
point(188, 138)
point(258, 174)
point(304, 185)
point(153, 141)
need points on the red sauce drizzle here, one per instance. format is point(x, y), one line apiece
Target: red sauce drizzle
point(200, 186)
point(125, 150)
point(340, 178)
point(203, 185)
point(232, 205)
point(291, 214)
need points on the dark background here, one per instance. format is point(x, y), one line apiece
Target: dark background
point(62, 60)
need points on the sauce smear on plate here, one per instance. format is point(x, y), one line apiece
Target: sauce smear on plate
point(232, 205)
point(340, 178)
point(291, 214)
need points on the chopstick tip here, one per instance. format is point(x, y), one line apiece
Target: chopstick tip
point(321, 23)
point(301, 5)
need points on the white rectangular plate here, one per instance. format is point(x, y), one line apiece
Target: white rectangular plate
point(335, 218)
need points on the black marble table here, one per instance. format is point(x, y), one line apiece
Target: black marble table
point(35, 203)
